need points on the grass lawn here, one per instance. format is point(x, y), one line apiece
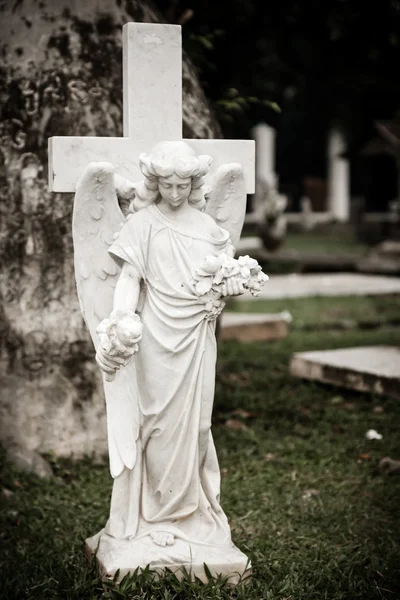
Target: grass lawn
point(327, 242)
point(344, 312)
point(300, 486)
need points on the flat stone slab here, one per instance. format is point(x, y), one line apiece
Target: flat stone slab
point(326, 284)
point(251, 243)
point(374, 369)
point(254, 327)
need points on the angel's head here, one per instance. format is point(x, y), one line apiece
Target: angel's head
point(174, 172)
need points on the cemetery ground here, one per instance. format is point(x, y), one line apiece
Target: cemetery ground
point(300, 482)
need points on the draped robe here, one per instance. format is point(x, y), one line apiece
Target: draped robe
point(175, 483)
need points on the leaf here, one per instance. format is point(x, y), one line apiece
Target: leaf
point(273, 105)
point(207, 572)
point(365, 456)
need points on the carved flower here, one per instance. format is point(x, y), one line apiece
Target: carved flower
point(214, 307)
point(210, 265)
point(214, 271)
point(248, 266)
point(120, 333)
point(204, 285)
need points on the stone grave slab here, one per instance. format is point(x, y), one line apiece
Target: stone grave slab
point(327, 284)
point(148, 526)
point(374, 369)
point(254, 327)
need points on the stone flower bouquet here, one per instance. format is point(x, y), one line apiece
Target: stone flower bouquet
point(214, 272)
point(119, 335)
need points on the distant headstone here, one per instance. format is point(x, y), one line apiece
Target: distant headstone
point(254, 327)
point(327, 284)
point(373, 369)
point(339, 177)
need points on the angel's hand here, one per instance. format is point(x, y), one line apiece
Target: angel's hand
point(107, 363)
point(232, 287)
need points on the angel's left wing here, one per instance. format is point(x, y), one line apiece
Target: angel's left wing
point(227, 200)
point(97, 219)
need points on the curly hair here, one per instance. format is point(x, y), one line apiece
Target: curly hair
point(166, 159)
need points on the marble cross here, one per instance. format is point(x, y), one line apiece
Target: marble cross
point(152, 107)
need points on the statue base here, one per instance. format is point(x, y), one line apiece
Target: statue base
point(129, 554)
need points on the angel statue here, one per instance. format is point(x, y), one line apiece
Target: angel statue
point(151, 286)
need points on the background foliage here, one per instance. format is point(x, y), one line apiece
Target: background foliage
point(322, 62)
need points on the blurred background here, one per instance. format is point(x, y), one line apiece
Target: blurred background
point(305, 372)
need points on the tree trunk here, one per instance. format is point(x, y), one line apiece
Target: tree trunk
point(62, 75)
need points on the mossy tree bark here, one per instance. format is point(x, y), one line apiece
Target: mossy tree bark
point(61, 75)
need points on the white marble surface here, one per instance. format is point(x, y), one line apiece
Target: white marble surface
point(172, 264)
point(373, 369)
point(235, 319)
point(69, 156)
point(338, 177)
point(152, 91)
point(127, 555)
point(152, 69)
point(374, 360)
point(329, 284)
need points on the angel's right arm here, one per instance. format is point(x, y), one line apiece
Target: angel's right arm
point(127, 290)
point(126, 297)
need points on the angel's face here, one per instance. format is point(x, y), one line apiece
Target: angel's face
point(174, 190)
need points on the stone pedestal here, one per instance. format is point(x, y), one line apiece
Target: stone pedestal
point(128, 555)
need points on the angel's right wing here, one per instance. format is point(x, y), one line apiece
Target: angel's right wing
point(97, 219)
point(227, 200)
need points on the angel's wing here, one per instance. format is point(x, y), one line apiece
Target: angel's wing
point(227, 200)
point(97, 219)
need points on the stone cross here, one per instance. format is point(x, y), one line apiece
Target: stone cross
point(152, 108)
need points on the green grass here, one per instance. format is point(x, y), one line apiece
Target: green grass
point(324, 312)
point(328, 242)
point(300, 486)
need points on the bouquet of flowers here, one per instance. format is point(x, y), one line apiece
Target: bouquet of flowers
point(215, 271)
point(119, 335)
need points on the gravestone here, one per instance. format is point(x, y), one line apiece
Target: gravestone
point(373, 369)
point(339, 177)
point(164, 509)
point(254, 327)
point(327, 284)
point(152, 113)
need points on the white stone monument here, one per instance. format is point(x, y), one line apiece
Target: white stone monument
point(151, 287)
point(265, 136)
point(152, 108)
point(338, 178)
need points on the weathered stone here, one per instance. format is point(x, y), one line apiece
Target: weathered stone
point(164, 507)
point(388, 466)
point(61, 74)
point(334, 284)
point(390, 248)
point(384, 258)
point(257, 327)
point(29, 461)
point(374, 369)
